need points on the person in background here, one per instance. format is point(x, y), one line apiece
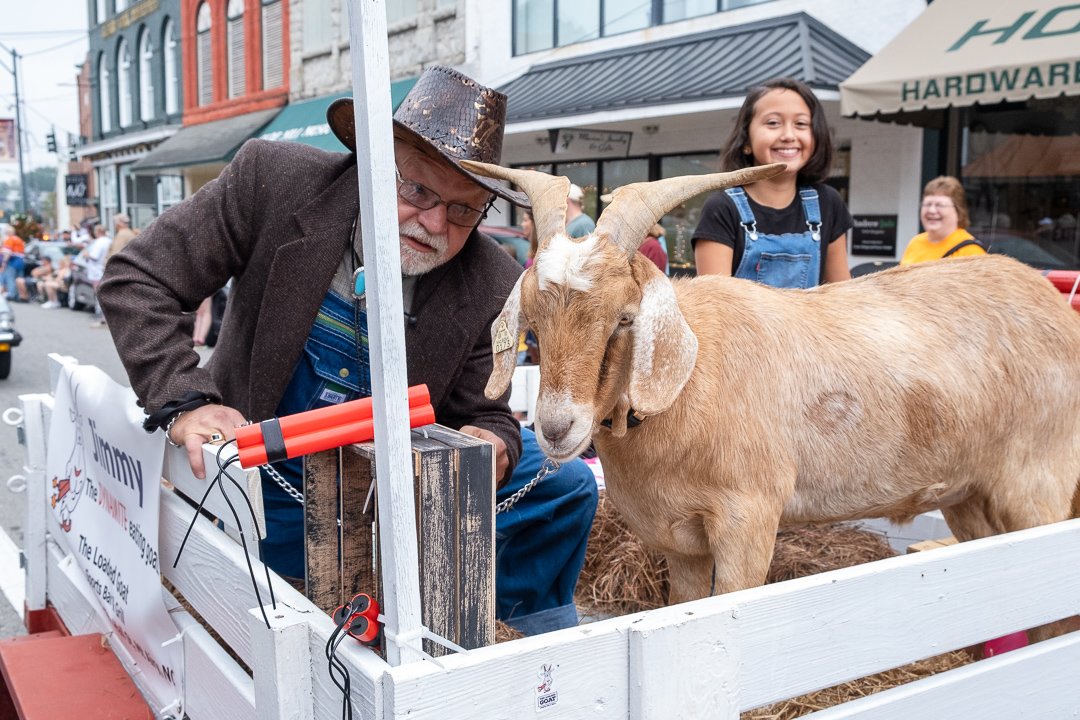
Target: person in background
point(282, 221)
point(652, 249)
point(95, 254)
point(28, 285)
point(124, 233)
point(578, 224)
point(11, 262)
point(790, 230)
point(57, 284)
point(944, 215)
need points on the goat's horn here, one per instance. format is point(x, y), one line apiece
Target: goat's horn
point(635, 208)
point(547, 193)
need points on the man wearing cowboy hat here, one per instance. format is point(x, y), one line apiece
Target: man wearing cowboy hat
point(281, 221)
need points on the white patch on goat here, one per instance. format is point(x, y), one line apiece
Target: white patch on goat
point(566, 262)
point(658, 313)
point(557, 410)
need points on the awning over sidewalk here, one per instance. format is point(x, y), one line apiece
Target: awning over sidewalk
point(958, 53)
point(305, 121)
point(212, 142)
point(716, 64)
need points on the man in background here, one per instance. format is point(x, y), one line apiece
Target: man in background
point(578, 224)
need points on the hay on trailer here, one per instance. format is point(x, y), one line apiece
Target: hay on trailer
point(622, 576)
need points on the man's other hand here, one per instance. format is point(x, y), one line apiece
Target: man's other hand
point(195, 427)
point(502, 462)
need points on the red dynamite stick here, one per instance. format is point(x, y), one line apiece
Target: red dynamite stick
point(306, 422)
point(325, 439)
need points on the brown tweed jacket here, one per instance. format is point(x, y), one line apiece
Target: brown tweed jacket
point(278, 220)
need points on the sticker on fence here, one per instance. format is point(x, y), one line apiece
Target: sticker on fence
point(546, 694)
point(104, 477)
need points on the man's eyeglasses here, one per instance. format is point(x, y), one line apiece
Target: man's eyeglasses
point(936, 205)
point(425, 198)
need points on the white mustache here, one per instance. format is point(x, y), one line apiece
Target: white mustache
point(414, 229)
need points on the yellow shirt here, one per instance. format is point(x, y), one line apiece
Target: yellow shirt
point(921, 248)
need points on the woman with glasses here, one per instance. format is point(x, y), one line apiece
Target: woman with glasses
point(944, 215)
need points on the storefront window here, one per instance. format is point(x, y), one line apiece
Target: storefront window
point(683, 9)
point(584, 174)
point(625, 15)
point(581, 23)
point(1021, 171)
point(534, 25)
point(679, 224)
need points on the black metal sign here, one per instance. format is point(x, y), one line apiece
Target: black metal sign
point(77, 189)
point(874, 235)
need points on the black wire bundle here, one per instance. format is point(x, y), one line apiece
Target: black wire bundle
point(222, 467)
point(334, 663)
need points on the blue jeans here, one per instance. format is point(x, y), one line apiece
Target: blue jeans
point(12, 270)
point(540, 543)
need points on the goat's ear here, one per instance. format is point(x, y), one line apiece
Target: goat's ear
point(665, 349)
point(504, 344)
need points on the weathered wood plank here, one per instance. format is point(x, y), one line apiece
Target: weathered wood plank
point(358, 551)
point(322, 530)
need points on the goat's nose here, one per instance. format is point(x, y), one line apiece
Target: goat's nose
point(555, 432)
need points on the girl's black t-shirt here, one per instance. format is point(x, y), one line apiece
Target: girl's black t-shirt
point(720, 221)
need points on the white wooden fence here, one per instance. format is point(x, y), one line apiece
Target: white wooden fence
point(710, 658)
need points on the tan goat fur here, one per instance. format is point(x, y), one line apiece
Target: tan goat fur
point(948, 385)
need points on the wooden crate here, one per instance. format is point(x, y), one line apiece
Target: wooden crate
point(455, 490)
point(931, 544)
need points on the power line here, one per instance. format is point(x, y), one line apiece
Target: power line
point(55, 47)
point(43, 33)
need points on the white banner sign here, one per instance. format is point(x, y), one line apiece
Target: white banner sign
point(105, 475)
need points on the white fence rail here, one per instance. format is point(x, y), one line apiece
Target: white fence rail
point(711, 658)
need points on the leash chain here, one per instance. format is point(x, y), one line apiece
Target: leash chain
point(283, 483)
point(546, 468)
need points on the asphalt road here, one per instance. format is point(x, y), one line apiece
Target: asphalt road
point(62, 331)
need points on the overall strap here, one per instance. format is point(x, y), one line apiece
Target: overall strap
point(746, 215)
point(963, 244)
point(812, 210)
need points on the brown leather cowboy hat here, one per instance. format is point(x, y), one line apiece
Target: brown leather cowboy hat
point(448, 116)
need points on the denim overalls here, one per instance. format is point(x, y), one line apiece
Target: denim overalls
point(328, 373)
point(790, 260)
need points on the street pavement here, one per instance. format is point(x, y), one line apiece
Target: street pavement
point(62, 331)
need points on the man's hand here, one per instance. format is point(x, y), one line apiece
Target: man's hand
point(502, 462)
point(194, 428)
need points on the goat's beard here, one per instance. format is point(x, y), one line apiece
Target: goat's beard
point(414, 262)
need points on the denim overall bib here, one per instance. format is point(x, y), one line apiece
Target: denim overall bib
point(789, 260)
point(328, 373)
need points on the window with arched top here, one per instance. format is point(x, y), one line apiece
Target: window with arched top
point(121, 5)
point(99, 14)
point(104, 107)
point(172, 74)
point(204, 71)
point(234, 36)
point(123, 82)
point(273, 51)
point(146, 77)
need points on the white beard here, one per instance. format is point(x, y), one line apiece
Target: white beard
point(414, 262)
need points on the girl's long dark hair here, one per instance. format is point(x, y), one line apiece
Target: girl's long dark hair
point(817, 168)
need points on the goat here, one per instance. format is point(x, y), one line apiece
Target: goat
point(950, 385)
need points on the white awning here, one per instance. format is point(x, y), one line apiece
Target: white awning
point(959, 53)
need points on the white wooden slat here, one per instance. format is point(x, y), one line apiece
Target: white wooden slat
point(1039, 681)
point(928, 526)
point(282, 664)
point(818, 631)
point(588, 666)
point(36, 411)
point(78, 615)
point(12, 576)
point(177, 470)
point(215, 685)
point(382, 259)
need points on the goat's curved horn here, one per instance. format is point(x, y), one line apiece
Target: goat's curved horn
point(547, 193)
point(635, 208)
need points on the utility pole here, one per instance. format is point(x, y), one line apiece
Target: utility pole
point(19, 129)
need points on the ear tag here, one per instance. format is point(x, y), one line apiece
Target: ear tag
point(359, 286)
point(503, 339)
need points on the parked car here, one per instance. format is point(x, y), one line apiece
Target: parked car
point(511, 236)
point(9, 337)
point(1015, 246)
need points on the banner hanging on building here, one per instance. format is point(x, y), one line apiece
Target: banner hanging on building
point(77, 189)
point(104, 475)
point(9, 147)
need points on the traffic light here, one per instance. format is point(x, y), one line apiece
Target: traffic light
point(50, 141)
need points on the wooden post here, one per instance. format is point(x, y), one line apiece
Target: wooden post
point(282, 671)
point(453, 476)
point(382, 261)
point(35, 430)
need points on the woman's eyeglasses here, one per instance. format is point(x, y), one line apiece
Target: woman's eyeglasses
point(936, 205)
point(425, 198)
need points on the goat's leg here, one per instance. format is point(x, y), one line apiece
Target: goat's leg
point(689, 576)
point(742, 546)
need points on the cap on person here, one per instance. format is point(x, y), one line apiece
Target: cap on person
point(448, 116)
point(576, 194)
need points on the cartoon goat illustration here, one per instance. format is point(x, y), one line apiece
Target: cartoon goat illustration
point(69, 489)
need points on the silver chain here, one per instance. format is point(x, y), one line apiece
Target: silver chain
point(283, 484)
point(546, 468)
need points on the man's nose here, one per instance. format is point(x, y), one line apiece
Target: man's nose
point(434, 219)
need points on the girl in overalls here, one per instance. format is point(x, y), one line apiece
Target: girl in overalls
point(790, 230)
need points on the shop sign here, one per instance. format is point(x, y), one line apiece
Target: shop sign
point(590, 144)
point(76, 188)
point(874, 235)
